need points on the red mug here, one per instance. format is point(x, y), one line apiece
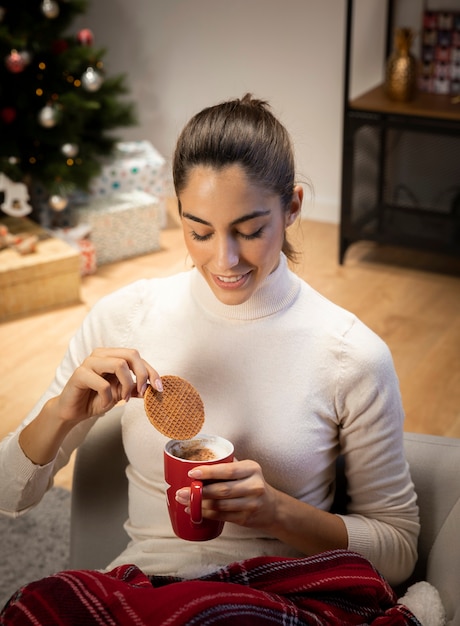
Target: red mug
point(179, 458)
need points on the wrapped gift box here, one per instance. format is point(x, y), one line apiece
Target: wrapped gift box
point(78, 237)
point(123, 225)
point(135, 166)
point(46, 278)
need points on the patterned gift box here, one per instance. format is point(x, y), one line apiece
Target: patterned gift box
point(123, 225)
point(77, 237)
point(88, 259)
point(134, 166)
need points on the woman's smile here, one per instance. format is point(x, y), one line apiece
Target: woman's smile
point(235, 281)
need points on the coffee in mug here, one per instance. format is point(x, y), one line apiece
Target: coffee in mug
point(180, 456)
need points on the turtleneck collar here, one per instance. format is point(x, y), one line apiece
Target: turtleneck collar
point(276, 293)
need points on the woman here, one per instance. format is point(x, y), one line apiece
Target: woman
point(290, 378)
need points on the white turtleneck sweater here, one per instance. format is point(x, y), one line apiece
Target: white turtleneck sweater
point(290, 378)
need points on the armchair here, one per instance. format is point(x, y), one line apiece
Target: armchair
point(100, 505)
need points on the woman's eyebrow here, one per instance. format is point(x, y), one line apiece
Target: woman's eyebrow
point(239, 220)
point(189, 216)
point(250, 216)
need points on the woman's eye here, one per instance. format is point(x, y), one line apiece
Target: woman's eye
point(255, 235)
point(198, 237)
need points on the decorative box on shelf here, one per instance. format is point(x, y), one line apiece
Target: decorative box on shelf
point(123, 225)
point(134, 166)
point(46, 278)
point(440, 53)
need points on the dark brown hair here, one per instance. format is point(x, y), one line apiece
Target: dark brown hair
point(243, 132)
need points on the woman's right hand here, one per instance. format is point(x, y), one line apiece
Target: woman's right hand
point(105, 377)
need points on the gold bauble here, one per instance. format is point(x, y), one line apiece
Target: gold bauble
point(58, 203)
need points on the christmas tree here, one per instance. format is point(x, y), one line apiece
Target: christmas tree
point(58, 108)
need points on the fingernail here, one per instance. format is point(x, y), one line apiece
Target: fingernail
point(195, 473)
point(158, 384)
point(143, 389)
point(181, 496)
point(128, 397)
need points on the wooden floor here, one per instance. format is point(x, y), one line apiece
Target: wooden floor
point(411, 300)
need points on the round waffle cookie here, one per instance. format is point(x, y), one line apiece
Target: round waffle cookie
point(177, 411)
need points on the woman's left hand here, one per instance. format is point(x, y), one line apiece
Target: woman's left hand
point(237, 492)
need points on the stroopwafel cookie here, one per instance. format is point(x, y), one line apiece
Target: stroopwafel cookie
point(178, 411)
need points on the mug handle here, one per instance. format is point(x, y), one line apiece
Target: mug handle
point(196, 496)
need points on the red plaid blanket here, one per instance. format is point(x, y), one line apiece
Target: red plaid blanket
point(335, 588)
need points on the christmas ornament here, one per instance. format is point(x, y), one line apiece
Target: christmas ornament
point(70, 150)
point(50, 9)
point(26, 56)
point(85, 37)
point(91, 79)
point(27, 244)
point(14, 62)
point(16, 198)
point(21, 242)
point(58, 203)
point(6, 238)
point(8, 115)
point(59, 46)
point(48, 116)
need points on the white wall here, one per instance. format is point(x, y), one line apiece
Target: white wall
point(368, 45)
point(182, 55)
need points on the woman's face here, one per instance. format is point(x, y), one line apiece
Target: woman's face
point(233, 230)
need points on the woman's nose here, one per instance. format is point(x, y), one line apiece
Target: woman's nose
point(227, 253)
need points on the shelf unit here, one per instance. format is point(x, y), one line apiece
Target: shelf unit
point(400, 165)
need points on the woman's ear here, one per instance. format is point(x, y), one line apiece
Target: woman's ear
point(295, 206)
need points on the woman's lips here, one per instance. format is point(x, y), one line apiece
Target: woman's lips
point(231, 282)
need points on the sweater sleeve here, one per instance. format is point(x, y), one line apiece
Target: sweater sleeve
point(23, 483)
point(382, 520)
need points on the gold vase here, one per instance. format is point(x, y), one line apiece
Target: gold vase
point(401, 68)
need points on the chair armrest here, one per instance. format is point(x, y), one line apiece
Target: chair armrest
point(435, 469)
point(99, 505)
